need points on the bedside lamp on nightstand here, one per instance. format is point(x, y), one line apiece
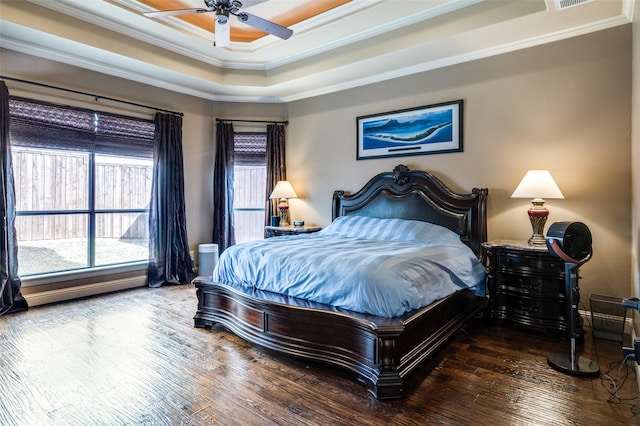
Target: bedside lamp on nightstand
point(538, 185)
point(283, 191)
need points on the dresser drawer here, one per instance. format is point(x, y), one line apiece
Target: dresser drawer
point(519, 263)
point(532, 285)
point(531, 306)
point(536, 313)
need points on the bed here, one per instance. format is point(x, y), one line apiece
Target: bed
point(381, 350)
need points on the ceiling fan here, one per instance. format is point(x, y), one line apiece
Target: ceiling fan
point(224, 8)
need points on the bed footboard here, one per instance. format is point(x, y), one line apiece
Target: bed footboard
point(381, 352)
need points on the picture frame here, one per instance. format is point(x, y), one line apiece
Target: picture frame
point(429, 129)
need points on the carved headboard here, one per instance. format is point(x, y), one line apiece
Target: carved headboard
point(418, 195)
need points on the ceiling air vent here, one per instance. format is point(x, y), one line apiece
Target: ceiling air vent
point(563, 4)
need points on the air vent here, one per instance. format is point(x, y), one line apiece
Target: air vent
point(563, 4)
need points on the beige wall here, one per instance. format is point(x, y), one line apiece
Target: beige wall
point(563, 107)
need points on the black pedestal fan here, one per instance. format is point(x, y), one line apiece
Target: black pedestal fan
point(571, 242)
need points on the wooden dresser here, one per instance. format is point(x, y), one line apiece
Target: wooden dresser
point(526, 287)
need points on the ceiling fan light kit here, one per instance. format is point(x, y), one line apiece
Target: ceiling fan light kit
point(224, 8)
point(222, 32)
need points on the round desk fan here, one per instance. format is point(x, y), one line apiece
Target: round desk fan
point(571, 242)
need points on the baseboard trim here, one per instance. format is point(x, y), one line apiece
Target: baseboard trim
point(588, 316)
point(69, 293)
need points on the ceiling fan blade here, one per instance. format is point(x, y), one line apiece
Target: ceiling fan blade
point(264, 25)
point(249, 3)
point(176, 12)
point(222, 33)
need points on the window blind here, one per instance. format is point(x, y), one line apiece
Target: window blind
point(250, 149)
point(44, 125)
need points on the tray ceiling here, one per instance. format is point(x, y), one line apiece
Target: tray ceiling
point(336, 45)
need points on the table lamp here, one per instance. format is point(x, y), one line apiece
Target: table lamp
point(283, 191)
point(537, 185)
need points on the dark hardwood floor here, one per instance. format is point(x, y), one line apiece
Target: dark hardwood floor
point(134, 357)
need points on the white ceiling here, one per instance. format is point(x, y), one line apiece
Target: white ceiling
point(361, 42)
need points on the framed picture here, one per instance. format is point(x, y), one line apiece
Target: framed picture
point(430, 129)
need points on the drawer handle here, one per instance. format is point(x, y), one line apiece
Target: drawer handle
point(528, 309)
point(530, 286)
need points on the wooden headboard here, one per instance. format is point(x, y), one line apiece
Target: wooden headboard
point(418, 195)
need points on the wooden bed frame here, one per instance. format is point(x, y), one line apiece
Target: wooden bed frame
point(382, 352)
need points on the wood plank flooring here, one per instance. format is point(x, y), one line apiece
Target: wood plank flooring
point(134, 357)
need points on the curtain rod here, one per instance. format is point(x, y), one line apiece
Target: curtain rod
point(222, 120)
point(77, 92)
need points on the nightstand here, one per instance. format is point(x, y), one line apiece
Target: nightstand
point(276, 231)
point(527, 287)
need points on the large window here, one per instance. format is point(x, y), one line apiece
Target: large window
point(249, 186)
point(83, 184)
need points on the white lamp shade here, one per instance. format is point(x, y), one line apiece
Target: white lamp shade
point(537, 184)
point(283, 189)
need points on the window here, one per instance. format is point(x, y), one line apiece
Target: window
point(83, 184)
point(249, 186)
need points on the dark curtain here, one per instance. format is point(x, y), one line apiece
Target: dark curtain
point(276, 167)
point(169, 260)
point(223, 232)
point(11, 299)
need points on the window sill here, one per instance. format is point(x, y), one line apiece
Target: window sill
point(59, 287)
point(83, 274)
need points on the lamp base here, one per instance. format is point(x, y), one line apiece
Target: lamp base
point(284, 215)
point(580, 366)
point(538, 217)
point(537, 240)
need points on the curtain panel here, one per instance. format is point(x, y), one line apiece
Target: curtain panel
point(169, 260)
point(276, 166)
point(11, 299)
point(223, 231)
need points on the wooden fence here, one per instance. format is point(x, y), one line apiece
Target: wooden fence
point(51, 181)
point(249, 193)
point(47, 181)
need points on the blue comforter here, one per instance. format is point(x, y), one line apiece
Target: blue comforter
point(384, 267)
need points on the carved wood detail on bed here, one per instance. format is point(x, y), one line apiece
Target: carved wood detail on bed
point(382, 352)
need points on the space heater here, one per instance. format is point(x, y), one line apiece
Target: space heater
point(207, 259)
point(571, 242)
